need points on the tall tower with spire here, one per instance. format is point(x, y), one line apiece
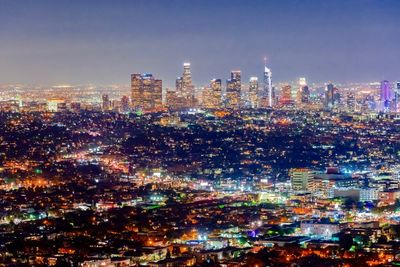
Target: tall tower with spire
point(266, 96)
point(185, 88)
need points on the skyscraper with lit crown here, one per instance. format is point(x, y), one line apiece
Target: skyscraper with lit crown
point(233, 89)
point(266, 97)
point(184, 87)
point(253, 92)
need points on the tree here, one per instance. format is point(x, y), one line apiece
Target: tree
point(345, 241)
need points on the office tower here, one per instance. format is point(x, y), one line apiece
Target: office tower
point(301, 179)
point(303, 93)
point(146, 92)
point(266, 96)
point(253, 92)
point(397, 96)
point(336, 97)
point(185, 93)
point(106, 104)
point(207, 97)
point(216, 93)
point(351, 102)
point(179, 84)
point(286, 95)
point(124, 104)
point(386, 96)
point(233, 90)
point(187, 85)
point(329, 91)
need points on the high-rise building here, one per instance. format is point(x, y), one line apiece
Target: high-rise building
point(303, 93)
point(233, 90)
point(301, 179)
point(106, 104)
point(216, 93)
point(253, 92)
point(351, 102)
point(124, 104)
point(266, 97)
point(187, 85)
point(332, 96)
point(386, 96)
point(146, 92)
point(184, 88)
point(286, 95)
point(179, 84)
point(397, 96)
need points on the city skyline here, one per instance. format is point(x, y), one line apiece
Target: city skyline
point(80, 43)
point(169, 133)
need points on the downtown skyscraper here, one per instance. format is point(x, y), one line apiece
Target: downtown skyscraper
point(184, 86)
point(146, 92)
point(253, 92)
point(266, 96)
point(233, 90)
point(387, 96)
point(212, 95)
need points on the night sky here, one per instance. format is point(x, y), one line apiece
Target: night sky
point(102, 42)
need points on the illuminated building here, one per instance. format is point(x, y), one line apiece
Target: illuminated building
point(124, 104)
point(187, 85)
point(106, 104)
point(332, 96)
point(54, 104)
point(233, 90)
point(329, 95)
point(266, 97)
point(253, 92)
point(303, 93)
point(351, 102)
point(286, 95)
point(146, 92)
point(397, 96)
point(212, 95)
point(75, 106)
point(184, 89)
point(319, 229)
point(179, 84)
point(386, 96)
point(301, 179)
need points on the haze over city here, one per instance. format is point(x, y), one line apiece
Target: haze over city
point(101, 42)
point(171, 133)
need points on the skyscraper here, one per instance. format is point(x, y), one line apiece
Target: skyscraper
point(386, 96)
point(303, 92)
point(286, 95)
point(106, 105)
point(329, 91)
point(267, 95)
point(146, 92)
point(253, 92)
point(216, 92)
point(185, 88)
point(124, 104)
point(212, 95)
point(233, 89)
point(397, 96)
point(351, 102)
